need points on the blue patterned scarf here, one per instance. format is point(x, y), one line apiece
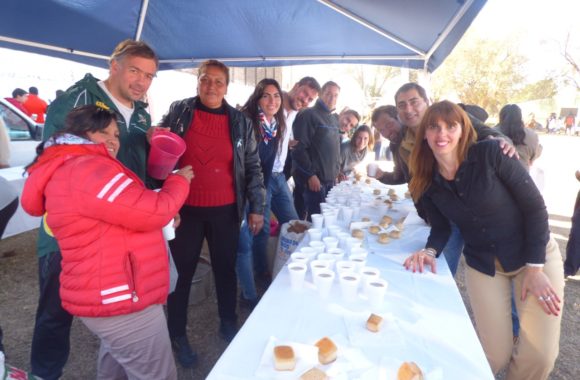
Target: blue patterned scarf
point(267, 129)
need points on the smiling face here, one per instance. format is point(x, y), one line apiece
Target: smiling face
point(361, 141)
point(443, 138)
point(346, 122)
point(212, 87)
point(130, 78)
point(388, 127)
point(270, 101)
point(411, 107)
point(301, 96)
point(108, 136)
point(330, 96)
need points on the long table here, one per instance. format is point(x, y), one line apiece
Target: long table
point(425, 321)
point(21, 221)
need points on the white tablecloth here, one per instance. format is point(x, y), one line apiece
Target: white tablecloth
point(21, 221)
point(425, 320)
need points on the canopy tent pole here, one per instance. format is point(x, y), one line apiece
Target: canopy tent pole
point(371, 26)
point(142, 16)
point(53, 48)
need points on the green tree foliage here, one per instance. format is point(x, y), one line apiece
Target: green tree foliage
point(542, 89)
point(372, 80)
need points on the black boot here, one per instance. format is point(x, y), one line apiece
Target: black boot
point(228, 329)
point(186, 357)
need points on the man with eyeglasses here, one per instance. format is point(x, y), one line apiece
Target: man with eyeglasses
point(132, 67)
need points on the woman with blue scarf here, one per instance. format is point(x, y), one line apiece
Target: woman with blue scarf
point(264, 109)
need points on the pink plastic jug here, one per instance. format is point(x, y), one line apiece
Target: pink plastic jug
point(166, 148)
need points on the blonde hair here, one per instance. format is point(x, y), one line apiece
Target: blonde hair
point(422, 162)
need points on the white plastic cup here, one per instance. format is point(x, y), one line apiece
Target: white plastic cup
point(375, 291)
point(317, 265)
point(169, 231)
point(333, 230)
point(337, 253)
point(317, 245)
point(297, 272)
point(359, 251)
point(328, 258)
point(317, 220)
point(330, 242)
point(299, 257)
point(368, 274)
point(372, 169)
point(347, 213)
point(323, 281)
point(360, 261)
point(315, 234)
point(352, 242)
point(342, 236)
point(349, 286)
point(310, 252)
point(344, 266)
point(330, 218)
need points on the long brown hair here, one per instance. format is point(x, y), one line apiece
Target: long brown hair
point(422, 162)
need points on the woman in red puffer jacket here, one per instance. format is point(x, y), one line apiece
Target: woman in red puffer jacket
point(115, 272)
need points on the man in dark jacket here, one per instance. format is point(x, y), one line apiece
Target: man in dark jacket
point(133, 66)
point(316, 157)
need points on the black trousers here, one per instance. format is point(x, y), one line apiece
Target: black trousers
point(220, 226)
point(572, 262)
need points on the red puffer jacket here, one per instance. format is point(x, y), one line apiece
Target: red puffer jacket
point(108, 227)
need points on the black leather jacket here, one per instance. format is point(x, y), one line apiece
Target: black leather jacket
point(248, 177)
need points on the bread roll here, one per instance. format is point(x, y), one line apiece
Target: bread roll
point(395, 234)
point(368, 181)
point(374, 323)
point(314, 374)
point(409, 371)
point(326, 350)
point(284, 359)
point(365, 219)
point(392, 191)
point(374, 229)
point(377, 191)
point(400, 226)
point(359, 234)
point(394, 197)
point(407, 195)
point(385, 221)
point(384, 238)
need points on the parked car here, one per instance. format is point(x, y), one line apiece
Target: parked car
point(24, 134)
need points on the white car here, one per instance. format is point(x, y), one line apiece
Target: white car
point(24, 133)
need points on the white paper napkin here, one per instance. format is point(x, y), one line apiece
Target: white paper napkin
point(306, 358)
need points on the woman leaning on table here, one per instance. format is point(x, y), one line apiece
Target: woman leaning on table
point(504, 222)
point(355, 151)
point(221, 148)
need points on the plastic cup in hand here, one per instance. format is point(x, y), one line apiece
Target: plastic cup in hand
point(297, 272)
point(344, 266)
point(349, 286)
point(323, 281)
point(315, 234)
point(317, 220)
point(368, 274)
point(372, 169)
point(166, 149)
point(330, 242)
point(169, 231)
point(317, 245)
point(376, 290)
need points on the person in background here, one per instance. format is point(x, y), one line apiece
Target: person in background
point(298, 98)
point(348, 120)
point(4, 145)
point(35, 105)
point(115, 268)
point(356, 153)
point(525, 139)
point(316, 157)
point(19, 97)
point(221, 147)
point(264, 109)
point(385, 121)
point(132, 67)
point(503, 218)
point(572, 262)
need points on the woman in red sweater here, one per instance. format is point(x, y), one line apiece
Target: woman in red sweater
point(115, 273)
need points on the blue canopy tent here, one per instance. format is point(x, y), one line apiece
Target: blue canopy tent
point(416, 34)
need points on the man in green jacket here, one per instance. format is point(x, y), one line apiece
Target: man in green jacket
point(132, 67)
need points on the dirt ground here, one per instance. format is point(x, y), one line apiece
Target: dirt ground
point(19, 294)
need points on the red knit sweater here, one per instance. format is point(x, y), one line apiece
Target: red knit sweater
point(210, 153)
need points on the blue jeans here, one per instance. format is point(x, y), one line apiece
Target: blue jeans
point(244, 262)
point(50, 340)
point(453, 249)
point(279, 201)
point(312, 199)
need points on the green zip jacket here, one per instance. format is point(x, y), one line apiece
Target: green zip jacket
point(134, 147)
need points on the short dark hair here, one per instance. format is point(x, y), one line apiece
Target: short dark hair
point(352, 112)
point(132, 48)
point(388, 109)
point(33, 90)
point(18, 92)
point(214, 63)
point(88, 118)
point(329, 84)
point(310, 82)
point(412, 86)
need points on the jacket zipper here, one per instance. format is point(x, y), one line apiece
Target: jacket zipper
point(132, 269)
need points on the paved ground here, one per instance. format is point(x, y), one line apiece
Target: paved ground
point(18, 290)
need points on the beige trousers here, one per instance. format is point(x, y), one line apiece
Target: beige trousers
point(134, 346)
point(490, 297)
